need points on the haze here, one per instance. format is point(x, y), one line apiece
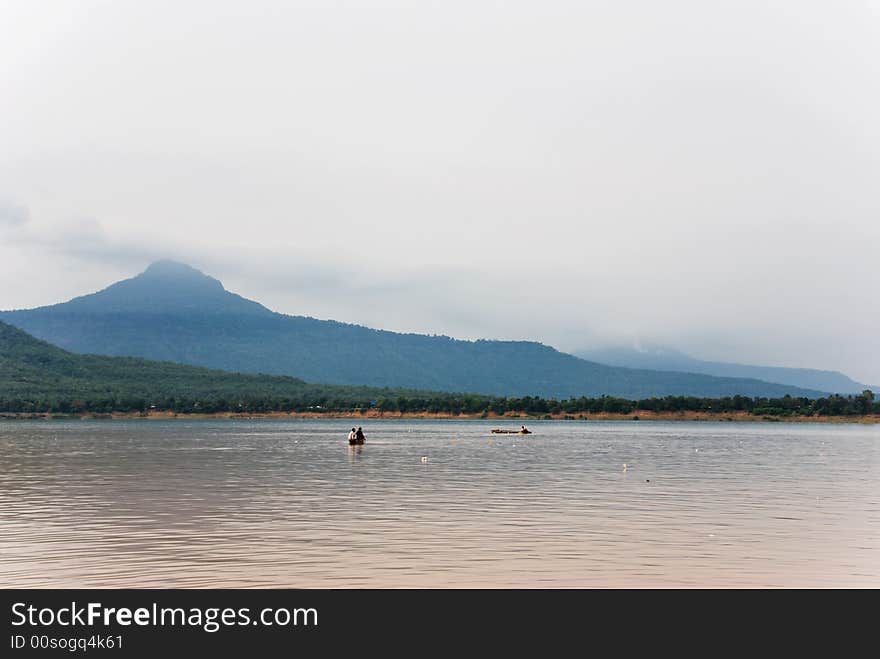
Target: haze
point(701, 175)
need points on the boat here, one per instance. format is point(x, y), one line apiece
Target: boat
point(355, 442)
point(499, 431)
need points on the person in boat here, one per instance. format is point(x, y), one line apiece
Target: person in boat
point(525, 431)
point(352, 435)
point(359, 435)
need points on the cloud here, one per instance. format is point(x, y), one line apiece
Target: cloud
point(13, 215)
point(85, 239)
point(576, 173)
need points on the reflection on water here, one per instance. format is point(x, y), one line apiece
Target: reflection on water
point(289, 504)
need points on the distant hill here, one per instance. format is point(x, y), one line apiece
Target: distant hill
point(666, 359)
point(45, 375)
point(172, 312)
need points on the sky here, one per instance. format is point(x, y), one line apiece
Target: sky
point(700, 175)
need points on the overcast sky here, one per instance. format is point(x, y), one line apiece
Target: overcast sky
point(703, 175)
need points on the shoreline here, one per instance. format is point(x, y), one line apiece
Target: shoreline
point(638, 415)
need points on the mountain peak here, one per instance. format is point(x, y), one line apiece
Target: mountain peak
point(165, 287)
point(174, 270)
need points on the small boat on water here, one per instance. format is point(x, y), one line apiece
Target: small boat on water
point(356, 437)
point(499, 431)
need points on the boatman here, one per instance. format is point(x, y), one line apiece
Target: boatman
point(352, 435)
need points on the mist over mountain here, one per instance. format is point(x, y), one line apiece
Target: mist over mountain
point(172, 312)
point(667, 359)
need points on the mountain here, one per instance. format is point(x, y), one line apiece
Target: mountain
point(172, 312)
point(166, 287)
point(666, 359)
point(47, 376)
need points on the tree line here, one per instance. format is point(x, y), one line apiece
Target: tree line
point(338, 400)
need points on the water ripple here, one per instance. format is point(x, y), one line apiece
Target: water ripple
point(268, 503)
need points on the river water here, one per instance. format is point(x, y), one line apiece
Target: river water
point(287, 503)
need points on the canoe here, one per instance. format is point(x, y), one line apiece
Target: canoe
point(498, 431)
point(355, 442)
